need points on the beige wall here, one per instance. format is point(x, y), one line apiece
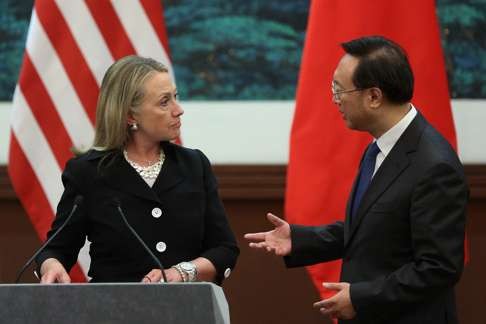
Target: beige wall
point(241, 132)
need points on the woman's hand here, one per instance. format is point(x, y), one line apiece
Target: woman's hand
point(156, 276)
point(53, 271)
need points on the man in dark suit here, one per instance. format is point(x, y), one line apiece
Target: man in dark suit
point(401, 243)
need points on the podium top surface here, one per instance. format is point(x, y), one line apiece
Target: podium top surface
point(93, 303)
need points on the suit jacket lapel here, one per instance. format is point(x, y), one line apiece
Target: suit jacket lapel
point(347, 222)
point(171, 173)
point(121, 176)
point(396, 161)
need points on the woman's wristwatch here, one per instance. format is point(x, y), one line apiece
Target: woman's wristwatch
point(187, 270)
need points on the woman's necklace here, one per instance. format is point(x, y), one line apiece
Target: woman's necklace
point(152, 170)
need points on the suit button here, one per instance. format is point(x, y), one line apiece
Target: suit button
point(161, 247)
point(227, 272)
point(156, 212)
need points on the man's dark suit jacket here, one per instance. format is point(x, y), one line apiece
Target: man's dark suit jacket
point(404, 250)
point(193, 221)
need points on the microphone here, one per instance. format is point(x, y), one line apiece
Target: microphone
point(155, 259)
point(77, 201)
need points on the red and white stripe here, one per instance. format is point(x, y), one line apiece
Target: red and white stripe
point(70, 44)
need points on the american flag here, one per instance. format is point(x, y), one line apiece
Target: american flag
point(70, 44)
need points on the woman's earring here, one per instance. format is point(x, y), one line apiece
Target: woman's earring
point(134, 127)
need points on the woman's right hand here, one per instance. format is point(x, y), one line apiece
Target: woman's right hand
point(155, 275)
point(53, 271)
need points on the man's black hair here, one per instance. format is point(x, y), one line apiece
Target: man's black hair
point(382, 64)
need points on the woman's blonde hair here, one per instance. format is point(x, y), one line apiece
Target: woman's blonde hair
point(121, 92)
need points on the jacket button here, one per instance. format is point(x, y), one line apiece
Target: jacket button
point(156, 212)
point(161, 247)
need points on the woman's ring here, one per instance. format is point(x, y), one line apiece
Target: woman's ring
point(148, 278)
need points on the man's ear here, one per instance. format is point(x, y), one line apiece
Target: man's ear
point(375, 97)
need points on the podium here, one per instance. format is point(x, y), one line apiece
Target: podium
point(120, 303)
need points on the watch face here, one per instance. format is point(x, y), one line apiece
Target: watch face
point(186, 266)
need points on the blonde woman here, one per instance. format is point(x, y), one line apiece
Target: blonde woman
point(168, 193)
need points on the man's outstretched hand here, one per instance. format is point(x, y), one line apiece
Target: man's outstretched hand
point(277, 240)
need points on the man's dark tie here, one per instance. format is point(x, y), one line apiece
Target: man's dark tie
point(365, 175)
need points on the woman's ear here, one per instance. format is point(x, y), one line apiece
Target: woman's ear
point(130, 119)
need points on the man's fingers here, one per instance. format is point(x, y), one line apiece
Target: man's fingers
point(266, 247)
point(327, 307)
point(325, 303)
point(275, 220)
point(333, 285)
point(325, 311)
point(261, 236)
point(260, 245)
point(255, 236)
point(329, 312)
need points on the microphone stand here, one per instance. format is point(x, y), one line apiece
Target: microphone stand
point(156, 260)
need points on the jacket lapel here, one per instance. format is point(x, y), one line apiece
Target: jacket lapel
point(394, 164)
point(347, 221)
point(121, 176)
point(171, 174)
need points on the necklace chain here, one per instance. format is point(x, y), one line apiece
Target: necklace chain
point(150, 171)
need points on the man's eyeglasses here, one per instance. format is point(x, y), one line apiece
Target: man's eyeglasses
point(336, 94)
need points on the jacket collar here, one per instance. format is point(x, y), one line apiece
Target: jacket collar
point(118, 174)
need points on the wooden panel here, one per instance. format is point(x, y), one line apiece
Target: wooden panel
point(18, 241)
point(6, 190)
point(261, 182)
point(261, 289)
point(255, 182)
point(470, 291)
point(476, 177)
